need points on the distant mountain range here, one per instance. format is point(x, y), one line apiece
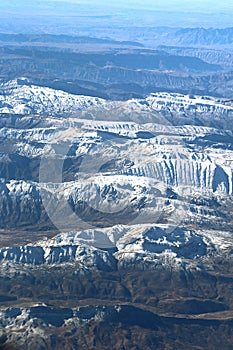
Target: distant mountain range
point(210, 37)
point(198, 36)
point(115, 69)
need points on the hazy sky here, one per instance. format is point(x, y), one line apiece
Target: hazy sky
point(177, 5)
point(206, 13)
point(155, 4)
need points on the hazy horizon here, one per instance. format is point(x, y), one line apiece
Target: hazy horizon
point(167, 5)
point(41, 15)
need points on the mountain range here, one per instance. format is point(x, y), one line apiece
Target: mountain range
point(105, 198)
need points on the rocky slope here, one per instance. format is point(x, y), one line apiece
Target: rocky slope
point(116, 70)
point(76, 327)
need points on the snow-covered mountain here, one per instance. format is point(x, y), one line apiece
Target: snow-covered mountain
point(122, 246)
point(104, 167)
point(20, 96)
